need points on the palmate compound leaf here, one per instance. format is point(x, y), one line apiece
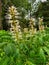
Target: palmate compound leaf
point(9, 49)
point(46, 50)
point(42, 55)
point(4, 61)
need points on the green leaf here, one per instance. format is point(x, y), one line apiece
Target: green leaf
point(29, 63)
point(46, 50)
point(5, 61)
point(42, 55)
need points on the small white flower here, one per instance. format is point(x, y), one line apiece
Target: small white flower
point(12, 7)
point(17, 23)
point(8, 16)
point(16, 16)
point(17, 13)
point(33, 19)
point(10, 21)
point(19, 26)
point(35, 30)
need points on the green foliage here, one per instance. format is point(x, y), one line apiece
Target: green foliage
point(7, 47)
point(32, 50)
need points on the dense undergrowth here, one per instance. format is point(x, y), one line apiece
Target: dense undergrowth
point(32, 50)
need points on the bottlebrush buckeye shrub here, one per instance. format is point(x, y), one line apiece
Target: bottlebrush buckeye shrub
point(30, 50)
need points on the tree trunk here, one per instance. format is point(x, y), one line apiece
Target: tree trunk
point(0, 15)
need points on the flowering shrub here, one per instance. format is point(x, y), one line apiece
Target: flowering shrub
point(30, 47)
